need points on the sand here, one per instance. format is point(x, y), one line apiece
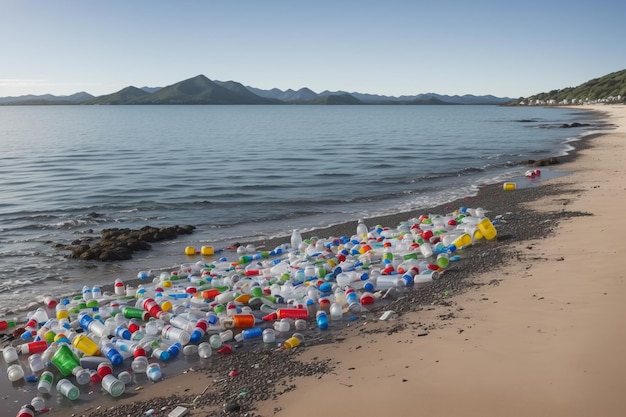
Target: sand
point(547, 341)
point(539, 335)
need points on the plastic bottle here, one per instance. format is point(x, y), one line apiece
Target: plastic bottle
point(105, 368)
point(26, 410)
point(9, 354)
point(160, 354)
point(251, 333)
point(108, 349)
point(282, 326)
point(294, 341)
point(15, 372)
point(199, 330)
point(82, 375)
point(65, 360)
point(34, 347)
point(125, 377)
point(336, 312)
point(174, 349)
point(238, 321)
point(38, 403)
point(322, 320)
point(443, 259)
point(362, 229)
point(288, 313)
point(118, 287)
point(139, 364)
point(35, 362)
point(269, 336)
point(175, 334)
point(67, 389)
point(215, 341)
point(86, 345)
point(205, 350)
point(154, 309)
point(6, 325)
point(153, 372)
point(92, 325)
point(45, 382)
point(296, 239)
point(113, 386)
point(135, 313)
point(426, 249)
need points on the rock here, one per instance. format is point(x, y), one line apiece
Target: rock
point(119, 244)
point(541, 162)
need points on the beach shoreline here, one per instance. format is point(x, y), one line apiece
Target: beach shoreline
point(368, 351)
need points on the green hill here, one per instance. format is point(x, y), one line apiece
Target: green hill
point(610, 88)
point(200, 90)
point(124, 96)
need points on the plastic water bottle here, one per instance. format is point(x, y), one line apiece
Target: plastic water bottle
point(205, 350)
point(9, 354)
point(269, 336)
point(154, 372)
point(361, 229)
point(248, 334)
point(38, 403)
point(35, 362)
point(67, 389)
point(170, 332)
point(45, 382)
point(27, 410)
point(296, 239)
point(139, 364)
point(125, 377)
point(322, 320)
point(109, 350)
point(336, 312)
point(113, 386)
point(15, 372)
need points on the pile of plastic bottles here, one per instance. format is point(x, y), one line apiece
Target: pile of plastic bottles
point(203, 308)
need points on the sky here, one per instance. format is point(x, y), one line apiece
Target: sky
point(392, 47)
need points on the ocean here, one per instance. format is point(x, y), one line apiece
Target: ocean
point(238, 173)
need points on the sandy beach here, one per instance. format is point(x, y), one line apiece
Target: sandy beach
point(545, 339)
point(537, 333)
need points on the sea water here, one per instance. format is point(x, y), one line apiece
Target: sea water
point(237, 173)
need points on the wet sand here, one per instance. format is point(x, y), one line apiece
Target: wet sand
point(529, 324)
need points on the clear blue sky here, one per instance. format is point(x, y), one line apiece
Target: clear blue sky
point(499, 47)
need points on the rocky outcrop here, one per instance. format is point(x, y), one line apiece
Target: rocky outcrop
point(575, 124)
point(119, 244)
point(541, 162)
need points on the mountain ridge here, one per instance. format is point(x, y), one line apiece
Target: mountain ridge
point(202, 90)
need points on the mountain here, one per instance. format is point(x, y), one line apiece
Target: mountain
point(288, 96)
point(201, 90)
point(124, 96)
point(610, 88)
point(76, 98)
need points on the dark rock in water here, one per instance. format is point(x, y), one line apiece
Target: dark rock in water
point(545, 162)
point(575, 124)
point(119, 244)
point(541, 162)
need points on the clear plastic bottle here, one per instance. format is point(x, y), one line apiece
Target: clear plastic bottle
point(38, 403)
point(154, 372)
point(15, 372)
point(139, 364)
point(296, 239)
point(205, 350)
point(9, 353)
point(361, 229)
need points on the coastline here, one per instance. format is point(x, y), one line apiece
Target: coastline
point(369, 362)
point(540, 336)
